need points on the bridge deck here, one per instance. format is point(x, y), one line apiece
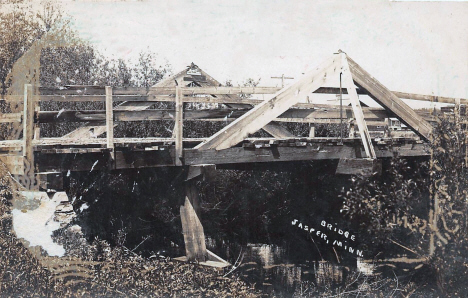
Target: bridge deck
point(59, 155)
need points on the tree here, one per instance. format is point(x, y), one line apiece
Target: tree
point(147, 72)
point(423, 204)
point(20, 27)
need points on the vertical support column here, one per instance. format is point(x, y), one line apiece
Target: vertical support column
point(28, 122)
point(109, 121)
point(37, 129)
point(312, 132)
point(194, 235)
point(178, 126)
point(29, 179)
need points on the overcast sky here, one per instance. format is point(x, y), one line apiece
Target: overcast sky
point(419, 47)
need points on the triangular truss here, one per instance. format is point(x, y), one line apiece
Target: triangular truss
point(352, 75)
point(192, 76)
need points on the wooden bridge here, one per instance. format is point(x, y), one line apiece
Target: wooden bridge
point(193, 95)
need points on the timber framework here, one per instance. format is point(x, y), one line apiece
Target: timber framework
point(45, 161)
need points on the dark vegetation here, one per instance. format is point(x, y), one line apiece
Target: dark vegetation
point(399, 206)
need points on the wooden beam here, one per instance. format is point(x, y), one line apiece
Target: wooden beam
point(109, 120)
point(97, 93)
point(292, 115)
point(178, 127)
point(431, 98)
point(389, 101)
point(357, 110)
point(268, 110)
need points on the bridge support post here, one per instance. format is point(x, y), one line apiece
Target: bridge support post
point(194, 235)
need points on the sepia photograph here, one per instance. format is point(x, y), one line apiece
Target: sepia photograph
point(262, 148)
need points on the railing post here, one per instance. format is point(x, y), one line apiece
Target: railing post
point(178, 126)
point(109, 121)
point(28, 122)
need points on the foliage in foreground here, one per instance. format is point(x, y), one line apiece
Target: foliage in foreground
point(103, 271)
point(400, 206)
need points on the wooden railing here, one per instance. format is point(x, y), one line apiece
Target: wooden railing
point(312, 113)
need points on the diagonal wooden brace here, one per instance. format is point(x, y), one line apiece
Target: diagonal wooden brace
point(357, 109)
point(268, 110)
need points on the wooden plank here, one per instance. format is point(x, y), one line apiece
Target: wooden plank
point(389, 101)
point(178, 127)
point(10, 118)
point(357, 110)
point(109, 120)
point(277, 131)
point(87, 131)
point(91, 90)
point(268, 110)
point(214, 90)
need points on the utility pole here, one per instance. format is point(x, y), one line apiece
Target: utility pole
point(282, 79)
